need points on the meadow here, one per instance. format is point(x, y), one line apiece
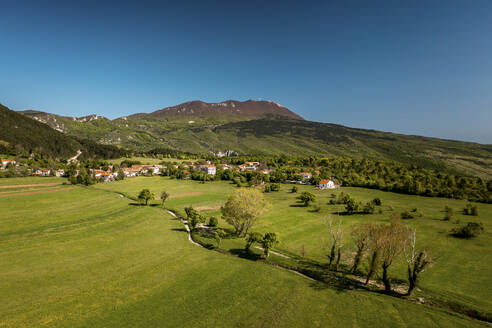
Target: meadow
point(88, 257)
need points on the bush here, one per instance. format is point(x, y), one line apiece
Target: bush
point(294, 189)
point(351, 206)
point(316, 208)
point(369, 208)
point(448, 213)
point(405, 215)
point(470, 230)
point(213, 222)
point(377, 201)
point(470, 210)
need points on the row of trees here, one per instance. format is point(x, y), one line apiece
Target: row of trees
point(381, 244)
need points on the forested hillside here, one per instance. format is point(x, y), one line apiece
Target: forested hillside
point(22, 135)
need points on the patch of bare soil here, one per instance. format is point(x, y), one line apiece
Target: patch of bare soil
point(186, 194)
point(31, 185)
point(208, 208)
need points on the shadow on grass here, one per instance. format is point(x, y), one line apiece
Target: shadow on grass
point(179, 229)
point(240, 252)
point(298, 205)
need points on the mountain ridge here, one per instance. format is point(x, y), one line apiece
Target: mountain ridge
point(264, 133)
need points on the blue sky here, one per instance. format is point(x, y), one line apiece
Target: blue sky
point(415, 67)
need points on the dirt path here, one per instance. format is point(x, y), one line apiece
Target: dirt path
point(73, 159)
point(31, 185)
point(185, 194)
point(208, 208)
point(33, 192)
point(187, 227)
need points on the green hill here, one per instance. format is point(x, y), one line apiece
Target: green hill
point(266, 128)
point(20, 134)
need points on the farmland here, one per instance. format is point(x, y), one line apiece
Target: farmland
point(87, 257)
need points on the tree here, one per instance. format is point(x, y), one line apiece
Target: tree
point(269, 240)
point(393, 239)
point(243, 208)
point(306, 198)
point(360, 235)
point(448, 213)
point(336, 235)
point(218, 235)
point(374, 246)
point(416, 262)
point(251, 239)
point(164, 197)
point(213, 222)
point(145, 195)
point(369, 208)
point(294, 189)
point(193, 217)
point(351, 206)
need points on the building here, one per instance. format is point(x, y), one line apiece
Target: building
point(306, 175)
point(210, 169)
point(265, 171)
point(326, 184)
point(6, 162)
point(60, 172)
point(248, 166)
point(42, 172)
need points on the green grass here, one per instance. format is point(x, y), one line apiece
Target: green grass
point(87, 258)
point(461, 272)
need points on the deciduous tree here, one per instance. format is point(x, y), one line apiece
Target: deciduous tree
point(243, 208)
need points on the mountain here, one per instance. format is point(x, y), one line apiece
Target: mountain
point(266, 128)
point(230, 110)
point(19, 134)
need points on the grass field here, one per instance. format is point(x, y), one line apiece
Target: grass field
point(86, 257)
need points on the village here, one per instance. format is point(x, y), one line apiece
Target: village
point(183, 170)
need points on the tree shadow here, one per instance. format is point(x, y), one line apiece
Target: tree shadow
point(298, 205)
point(136, 204)
point(240, 252)
point(179, 229)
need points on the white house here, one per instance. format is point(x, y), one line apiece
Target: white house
point(42, 172)
point(326, 184)
point(6, 162)
point(209, 169)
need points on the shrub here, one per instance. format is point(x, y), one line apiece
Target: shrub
point(377, 201)
point(294, 189)
point(448, 213)
point(405, 215)
point(275, 187)
point(470, 230)
point(213, 222)
point(316, 208)
point(470, 210)
point(351, 206)
point(369, 208)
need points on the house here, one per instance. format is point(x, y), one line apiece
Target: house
point(107, 177)
point(317, 172)
point(306, 175)
point(60, 172)
point(210, 169)
point(248, 166)
point(265, 171)
point(225, 166)
point(326, 184)
point(42, 172)
point(130, 172)
point(6, 162)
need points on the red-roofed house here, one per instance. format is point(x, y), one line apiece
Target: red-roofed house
point(326, 184)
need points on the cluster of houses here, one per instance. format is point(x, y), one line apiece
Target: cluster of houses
point(206, 167)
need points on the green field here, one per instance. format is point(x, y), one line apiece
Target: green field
point(87, 257)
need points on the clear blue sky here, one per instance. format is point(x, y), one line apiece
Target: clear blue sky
point(416, 67)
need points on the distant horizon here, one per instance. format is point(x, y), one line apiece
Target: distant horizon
point(419, 68)
point(291, 109)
